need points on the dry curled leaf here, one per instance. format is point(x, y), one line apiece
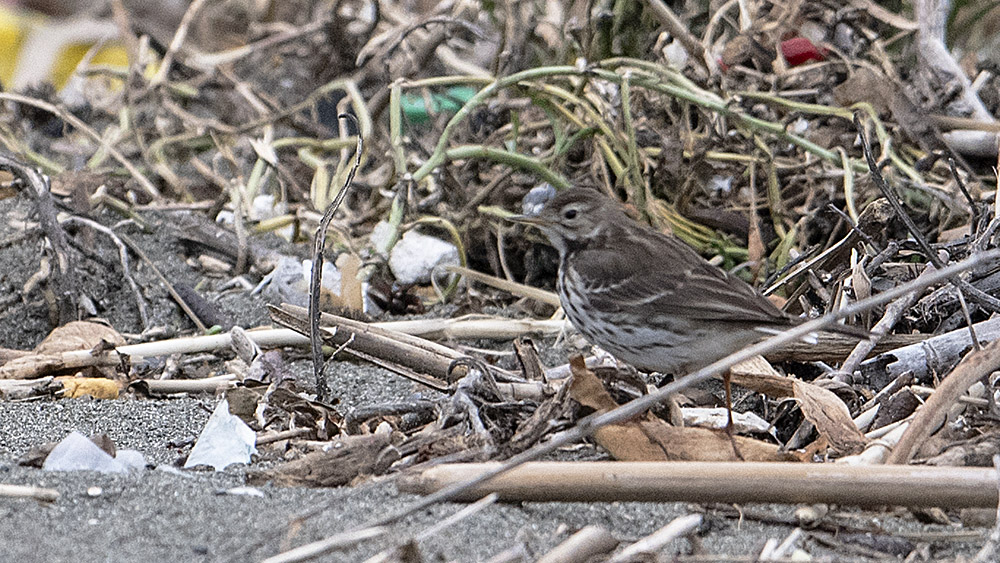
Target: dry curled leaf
point(830, 416)
point(652, 439)
point(79, 335)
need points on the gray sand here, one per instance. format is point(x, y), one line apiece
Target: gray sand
point(165, 514)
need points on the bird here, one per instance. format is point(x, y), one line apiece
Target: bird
point(644, 296)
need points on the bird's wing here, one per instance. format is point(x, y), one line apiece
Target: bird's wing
point(664, 274)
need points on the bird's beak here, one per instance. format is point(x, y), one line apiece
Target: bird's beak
point(526, 219)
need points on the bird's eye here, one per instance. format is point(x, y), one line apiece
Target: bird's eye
point(570, 213)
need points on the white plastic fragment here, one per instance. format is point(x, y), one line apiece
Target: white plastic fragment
point(720, 185)
point(77, 453)
point(415, 256)
point(242, 491)
point(676, 54)
point(381, 236)
point(717, 418)
point(536, 199)
point(225, 440)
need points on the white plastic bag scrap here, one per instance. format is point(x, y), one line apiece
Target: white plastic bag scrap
point(415, 256)
point(77, 453)
point(225, 440)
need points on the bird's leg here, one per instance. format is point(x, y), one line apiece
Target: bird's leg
point(730, 427)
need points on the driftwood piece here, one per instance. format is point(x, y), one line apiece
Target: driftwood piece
point(424, 361)
point(27, 491)
point(932, 414)
point(935, 355)
point(702, 482)
point(589, 542)
point(655, 542)
point(170, 386)
point(11, 389)
point(892, 314)
point(411, 356)
point(341, 463)
point(835, 347)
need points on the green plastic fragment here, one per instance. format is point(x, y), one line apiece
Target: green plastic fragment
point(415, 109)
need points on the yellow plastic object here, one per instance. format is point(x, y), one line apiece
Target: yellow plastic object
point(65, 64)
point(14, 27)
point(96, 387)
point(34, 48)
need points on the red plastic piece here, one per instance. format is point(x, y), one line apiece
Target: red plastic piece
point(798, 50)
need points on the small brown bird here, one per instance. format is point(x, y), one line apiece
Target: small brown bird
point(646, 297)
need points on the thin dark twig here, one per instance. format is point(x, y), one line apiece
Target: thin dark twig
point(315, 342)
point(174, 294)
point(981, 298)
point(891, 249)
point(973, 208)
point(968, 321)
point(123, 259)
point(63, 280)
point(850, 223)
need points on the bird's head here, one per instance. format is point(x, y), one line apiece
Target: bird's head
point(573, 216)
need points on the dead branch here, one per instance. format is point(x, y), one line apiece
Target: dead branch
point(933, 355)
point(316, 277)
point(656, 541)
point(343, 461)
point(703, 482)
point(25, 491)
point(931, 415)
point(418, 359)
point(589, 542)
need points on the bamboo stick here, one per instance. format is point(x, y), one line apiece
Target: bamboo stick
point(948, 487)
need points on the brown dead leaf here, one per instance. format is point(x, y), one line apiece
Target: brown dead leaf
point(78, 335)
point(755, 246)
point(626, 441)
point(868, 85)
point(652, 439)
point(830, 416)
point(703, 444)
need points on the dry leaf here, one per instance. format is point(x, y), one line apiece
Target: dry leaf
point(830, 416)
point(652, 439)
point(625, 441)
point(78, 335)
point(703, 444)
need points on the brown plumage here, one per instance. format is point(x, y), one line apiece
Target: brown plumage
point(646, 297)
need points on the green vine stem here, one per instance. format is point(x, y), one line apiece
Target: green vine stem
point(501, 156)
